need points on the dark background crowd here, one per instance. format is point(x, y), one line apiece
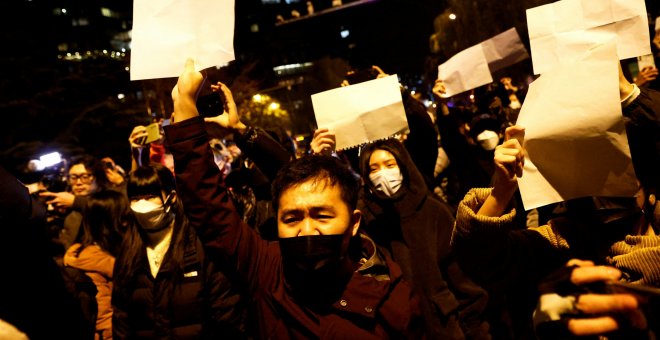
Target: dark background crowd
point(66, 93)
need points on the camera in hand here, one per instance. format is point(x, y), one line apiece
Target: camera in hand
point(55, 181)
point(212, 104)
point(52, 180)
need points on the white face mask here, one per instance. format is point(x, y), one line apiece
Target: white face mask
point(488, 140)
point(515, 104)
point(152, 217)
point(387, 181)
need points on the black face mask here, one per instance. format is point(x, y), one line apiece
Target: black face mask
point(313, 264)
point(312, 254)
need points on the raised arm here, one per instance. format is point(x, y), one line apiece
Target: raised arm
point(200, 186)
point(324, 142)
point(199, 182)
point(185, 92)
point(509, 161)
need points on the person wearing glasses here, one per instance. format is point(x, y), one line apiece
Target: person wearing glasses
point(86, 176)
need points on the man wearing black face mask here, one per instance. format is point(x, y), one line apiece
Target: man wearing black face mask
point(322, 279)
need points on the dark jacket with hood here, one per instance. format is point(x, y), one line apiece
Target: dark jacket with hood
point(416, 228)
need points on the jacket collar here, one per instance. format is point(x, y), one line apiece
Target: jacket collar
point(370, 284)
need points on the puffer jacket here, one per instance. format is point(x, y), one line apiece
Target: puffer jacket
point(98, 265)
point(203, 306)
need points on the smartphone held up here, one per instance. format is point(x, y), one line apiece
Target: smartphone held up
point(212, 104)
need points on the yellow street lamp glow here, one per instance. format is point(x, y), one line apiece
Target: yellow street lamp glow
point(257, 98)
point(274, 106)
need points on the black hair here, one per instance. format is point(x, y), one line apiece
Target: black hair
point(106, 216)
point(318, 168)
point(483, 122)
point(152, 180)
point(392, 146)
point(94, 166)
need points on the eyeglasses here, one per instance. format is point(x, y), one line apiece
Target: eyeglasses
point(85, 178)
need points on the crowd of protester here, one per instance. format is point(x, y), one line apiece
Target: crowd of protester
point(422, 235)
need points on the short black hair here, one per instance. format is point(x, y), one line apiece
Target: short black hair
point(320, 168)
point(94, 166)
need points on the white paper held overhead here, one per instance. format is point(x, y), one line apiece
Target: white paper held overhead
point(473, 67)
point(575, 136)
point(561, 32)
point(363, 112)
point(166, 33)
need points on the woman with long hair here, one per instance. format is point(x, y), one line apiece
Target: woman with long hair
point(105, 218)
point(165, 285)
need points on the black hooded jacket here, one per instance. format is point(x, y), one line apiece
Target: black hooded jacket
point(415, 228)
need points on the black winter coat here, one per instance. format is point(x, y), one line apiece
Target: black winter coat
point(416, 228)
point(203, 306)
